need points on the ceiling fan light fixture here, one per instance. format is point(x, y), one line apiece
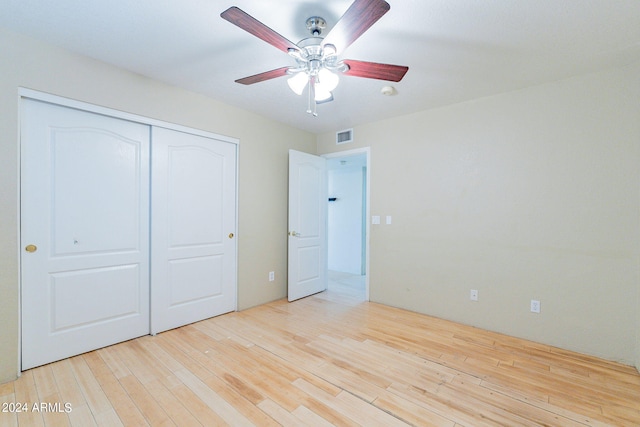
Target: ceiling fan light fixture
point(316, 57)
point(329, 99)
point(298, 82)
point(328, 79)
point(322, 93)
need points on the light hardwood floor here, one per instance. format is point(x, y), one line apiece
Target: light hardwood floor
point(330, 359)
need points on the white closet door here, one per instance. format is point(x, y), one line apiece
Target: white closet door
point(84, 231)
point(193, 239)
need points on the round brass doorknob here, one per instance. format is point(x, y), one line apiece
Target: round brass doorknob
point(31, 248)
point(231, 235)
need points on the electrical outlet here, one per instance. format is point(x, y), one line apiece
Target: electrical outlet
point(272, 276)
point(535, 306)
point(474, 295)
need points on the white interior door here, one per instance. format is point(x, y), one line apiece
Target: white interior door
point(307, 263)
point(193, 262)
point(84, 231)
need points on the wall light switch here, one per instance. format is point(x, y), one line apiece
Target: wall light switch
point(473, 295)
point(375, 219)
point(388, 219)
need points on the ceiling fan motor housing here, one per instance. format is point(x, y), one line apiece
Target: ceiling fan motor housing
point(313, 56)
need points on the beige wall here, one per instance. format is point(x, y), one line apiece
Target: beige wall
point(263, 155)
point(532, 194)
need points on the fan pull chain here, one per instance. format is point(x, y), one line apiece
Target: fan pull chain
point(312, 98)
point(309, 98)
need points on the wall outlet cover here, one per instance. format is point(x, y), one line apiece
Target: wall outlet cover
point(535, 306)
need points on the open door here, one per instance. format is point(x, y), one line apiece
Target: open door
point(307, 271)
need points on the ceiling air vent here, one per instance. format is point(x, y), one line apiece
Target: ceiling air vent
point(344, 136)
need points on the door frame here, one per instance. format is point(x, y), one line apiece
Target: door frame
point(25, 93)
point(367, 152)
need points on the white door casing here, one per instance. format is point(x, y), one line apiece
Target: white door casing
point(193, 265)
point(307, 248)
point(85, 210)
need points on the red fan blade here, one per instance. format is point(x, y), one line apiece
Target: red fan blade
point(267, 75)
point(375, 70)
point(361, 15)
point(250, 24)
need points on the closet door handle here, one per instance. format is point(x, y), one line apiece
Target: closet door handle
point(231, 235)
point(31, 248)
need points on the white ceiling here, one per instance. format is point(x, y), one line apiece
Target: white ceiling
point(456, 50)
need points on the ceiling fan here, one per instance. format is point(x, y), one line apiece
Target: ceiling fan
point(317, 64)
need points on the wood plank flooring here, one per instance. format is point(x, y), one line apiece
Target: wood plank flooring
point(330, 359)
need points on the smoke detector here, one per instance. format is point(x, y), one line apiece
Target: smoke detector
point(388, 91)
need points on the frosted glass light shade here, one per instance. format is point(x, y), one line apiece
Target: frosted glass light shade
point(298, 82)
point(322, 94)
point(328, 79)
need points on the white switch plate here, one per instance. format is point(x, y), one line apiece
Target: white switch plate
point(473, 295)
point(272, 276)
point(388, 219)
point(375, 219)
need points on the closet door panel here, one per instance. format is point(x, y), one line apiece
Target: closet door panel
point(84, 231)
point(193, 273)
